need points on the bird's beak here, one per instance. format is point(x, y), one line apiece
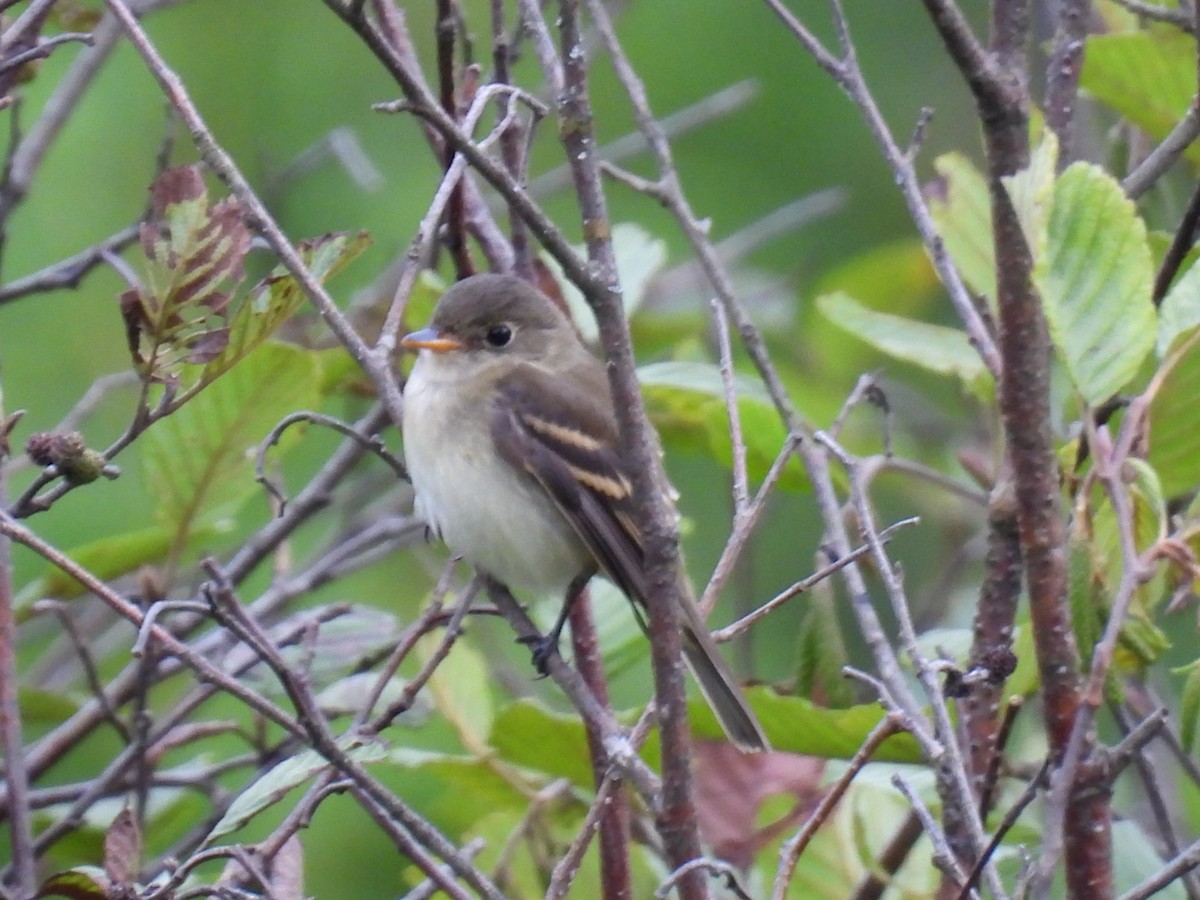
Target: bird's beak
point(431, 339)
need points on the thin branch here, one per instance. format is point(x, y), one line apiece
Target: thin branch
point(791, 849)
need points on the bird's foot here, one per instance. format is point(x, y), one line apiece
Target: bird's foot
point(542, 648)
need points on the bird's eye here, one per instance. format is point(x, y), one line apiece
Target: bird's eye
point(498, 335)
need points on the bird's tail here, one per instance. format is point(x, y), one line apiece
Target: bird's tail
point(718, 684)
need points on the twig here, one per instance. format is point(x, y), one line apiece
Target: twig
point(1181, 244)
point(731, 875)
point(1156, 13)
point(943, 856)
point(1162, 157)
point(16, 772)
point(69, 272)
point(1062, 72)
point(729, 632)
point(1010, 819)
point(372, 442)
point(849, 77)
point(791, 849)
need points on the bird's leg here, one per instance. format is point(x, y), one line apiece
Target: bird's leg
point(543, 647)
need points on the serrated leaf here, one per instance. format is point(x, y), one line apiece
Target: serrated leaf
point(1175, 418)
point(1148, 76)
point(200, 460)
point(962, 209)
point(278, 296)
point(935, 348)
point(686, 402)
point(195, 254)
point(286, 777)
point(1095, 282)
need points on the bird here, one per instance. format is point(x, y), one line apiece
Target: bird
point(513, 449)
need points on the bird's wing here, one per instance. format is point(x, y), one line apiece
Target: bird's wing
point(565, 441)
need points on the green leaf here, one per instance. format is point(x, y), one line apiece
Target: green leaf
point(1175, 418)
point(797, 725)
point(106, 558)
point(1031, 192)
point(935, 348)
point(1189, 705)
point(278, 296)
point(1149, 76)
point(461, 688)
point(962, 209)
point(489, 786)
point(1095, 281)
point(286, 777)
point(1180, 310)
point(529, 735)
point(822, 653)
point(686, 402)
point(200, 460)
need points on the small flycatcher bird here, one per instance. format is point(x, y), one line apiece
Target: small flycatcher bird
point(511, 442)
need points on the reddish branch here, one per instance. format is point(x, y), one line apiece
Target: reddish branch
point(997, 81)
point(616, 878)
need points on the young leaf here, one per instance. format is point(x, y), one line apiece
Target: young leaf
point(1095, 281)
point(932, 347)
point(195, 254)
point(277, 297)
point(1032, 192)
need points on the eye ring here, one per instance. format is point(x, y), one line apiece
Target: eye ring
point(498, 335)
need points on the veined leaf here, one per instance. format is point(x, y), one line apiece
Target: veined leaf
point(195, 254)
point(199, 460)
point(932, 347)
point(962, 209)
point(278, 296)
point(1095, 281)
point(285, 777)
point(1032, 193)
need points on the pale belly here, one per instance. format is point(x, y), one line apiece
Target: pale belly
point(496, 520)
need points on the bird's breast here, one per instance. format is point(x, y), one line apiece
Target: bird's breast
point(498, 519)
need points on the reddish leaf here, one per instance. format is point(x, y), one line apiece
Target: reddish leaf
point(731, 787)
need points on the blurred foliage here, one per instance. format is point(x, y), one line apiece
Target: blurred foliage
point(838, 293)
